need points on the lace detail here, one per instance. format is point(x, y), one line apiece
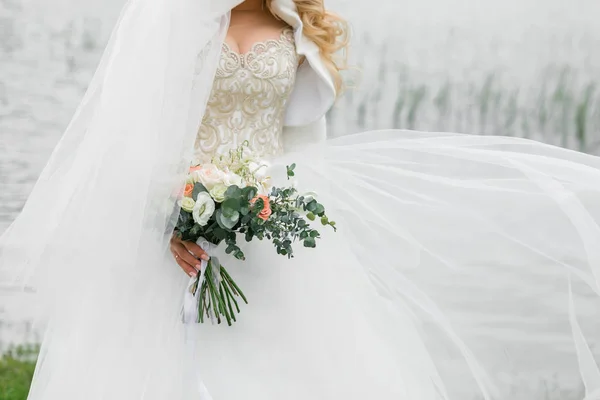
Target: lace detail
point(248, 98)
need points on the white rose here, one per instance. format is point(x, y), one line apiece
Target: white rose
point(209, 175)
point(218, 192)
point(187, 204)
point(230, 179)
point(203, 209)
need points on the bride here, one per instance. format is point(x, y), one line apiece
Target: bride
point(463, 266)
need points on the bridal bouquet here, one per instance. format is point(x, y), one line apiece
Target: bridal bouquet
point(232, 197)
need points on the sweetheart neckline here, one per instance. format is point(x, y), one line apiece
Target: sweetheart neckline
point(282, 37)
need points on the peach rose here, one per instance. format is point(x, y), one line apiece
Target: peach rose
point(266, 211)
point(189, 189)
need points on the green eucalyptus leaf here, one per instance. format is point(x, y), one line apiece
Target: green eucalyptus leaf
point(227, 222)
point(233, 192)
point(198, 188)
point(219, 233)
point(249, 192)
point(319, 210)
point(310, 242)
point(246, 219)
point(233, 220)
point(231, 204)
point(290, 170)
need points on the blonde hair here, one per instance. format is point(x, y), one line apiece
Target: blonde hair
point(329, 32)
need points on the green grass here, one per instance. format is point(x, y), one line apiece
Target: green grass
point(560, 106)
point(16, 370)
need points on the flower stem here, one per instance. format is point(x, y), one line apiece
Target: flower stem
point(216, 297)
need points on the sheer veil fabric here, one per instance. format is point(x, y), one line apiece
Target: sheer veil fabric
point(100, 210)
point(461, 262)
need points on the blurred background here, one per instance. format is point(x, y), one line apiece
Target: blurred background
point(526, 68)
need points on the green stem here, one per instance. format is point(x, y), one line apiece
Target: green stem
point(230, 297)
point(208, 280)
point(203, 304)
point(225, 310)
point(218, 297)
point(233, 284)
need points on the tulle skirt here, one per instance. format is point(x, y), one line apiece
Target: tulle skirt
point(463, 267)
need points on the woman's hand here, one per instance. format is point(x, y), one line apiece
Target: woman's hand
point(187, 255)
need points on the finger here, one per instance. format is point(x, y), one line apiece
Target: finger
point(196, 250)
point(181, 253)
point(187, 268)
point(190, 259)
point(184, 259)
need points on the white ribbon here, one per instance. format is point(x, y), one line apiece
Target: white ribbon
point(191, 297)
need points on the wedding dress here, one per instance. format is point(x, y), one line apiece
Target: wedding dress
point(303, 336)
point(463, 266)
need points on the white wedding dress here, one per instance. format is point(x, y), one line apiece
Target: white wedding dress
point(463, 266)
point(326, 325)
point(312, 329)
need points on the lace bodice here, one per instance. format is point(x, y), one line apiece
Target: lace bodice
point(248, 98)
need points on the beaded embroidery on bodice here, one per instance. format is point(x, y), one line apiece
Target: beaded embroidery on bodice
point(248, 99)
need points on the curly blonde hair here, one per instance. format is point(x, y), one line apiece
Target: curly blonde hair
point(329, 32)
